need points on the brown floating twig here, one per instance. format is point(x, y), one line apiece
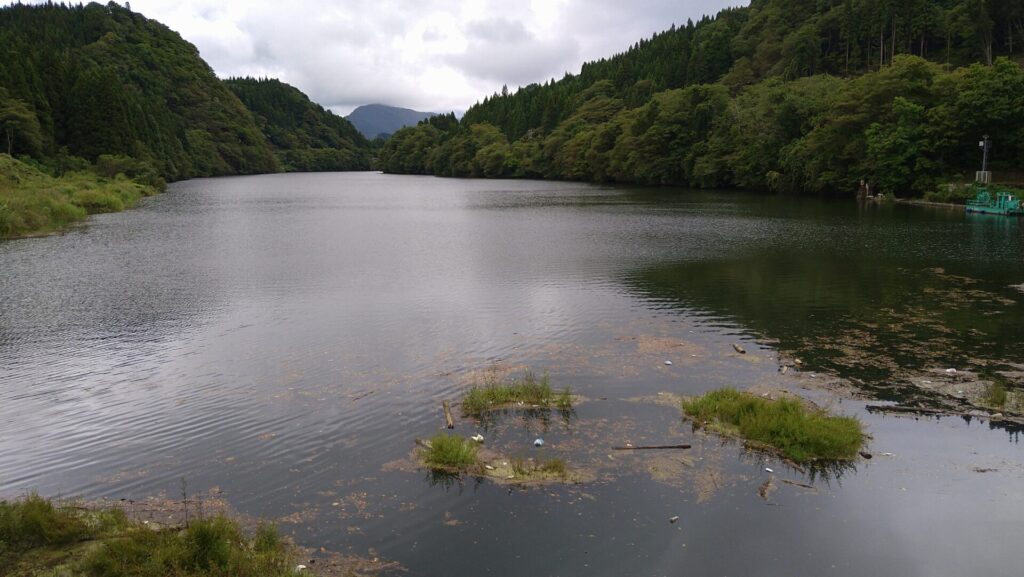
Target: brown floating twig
point(650, 447)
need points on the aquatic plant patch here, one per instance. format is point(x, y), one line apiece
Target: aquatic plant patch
point(528, 390)
point(796, 431)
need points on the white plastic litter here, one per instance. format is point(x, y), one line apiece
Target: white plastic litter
point(538, 442)
point(478, 438)
point(669, 363)
point(768, 469)
point(950, 371)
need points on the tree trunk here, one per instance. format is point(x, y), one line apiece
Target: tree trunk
point(893, 53)
point(10, 141)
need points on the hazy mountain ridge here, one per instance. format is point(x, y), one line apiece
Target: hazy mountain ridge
point(374, 120)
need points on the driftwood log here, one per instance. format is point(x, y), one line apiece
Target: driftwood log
point(448, 415)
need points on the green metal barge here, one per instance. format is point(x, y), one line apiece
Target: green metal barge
point(1002, 203)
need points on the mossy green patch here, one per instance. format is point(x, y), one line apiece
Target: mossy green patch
point(797, 432)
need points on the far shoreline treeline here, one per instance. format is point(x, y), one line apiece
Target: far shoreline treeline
point(798, 97)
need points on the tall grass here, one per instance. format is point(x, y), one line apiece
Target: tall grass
point(207, 548)
point(33, 202)
point(35, 533)
point(528, 390)
point(450, 452)
point(797, 432)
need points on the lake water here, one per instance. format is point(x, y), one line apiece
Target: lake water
point(284, 339)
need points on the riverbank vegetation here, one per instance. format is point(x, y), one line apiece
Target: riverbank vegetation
point(35, 202)
point(797, 432)
point(527, 390)
point(810, 97)
point(38, 537)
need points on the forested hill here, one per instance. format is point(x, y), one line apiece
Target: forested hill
point(100, 79)
point(804, 95)
point(305, 137)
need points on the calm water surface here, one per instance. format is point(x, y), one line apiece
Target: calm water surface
point(285, 338)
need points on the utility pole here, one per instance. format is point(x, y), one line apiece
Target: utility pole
point(984, 177)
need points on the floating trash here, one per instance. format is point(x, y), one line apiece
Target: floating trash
point(538, 442)
point(478, 438)
point(669, 363)
point(769, 469)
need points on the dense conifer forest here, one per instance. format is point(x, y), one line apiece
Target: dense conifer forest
point(305, 137)
point(787, 95)
point(81, 81)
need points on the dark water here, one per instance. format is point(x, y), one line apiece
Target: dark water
point(285, 338)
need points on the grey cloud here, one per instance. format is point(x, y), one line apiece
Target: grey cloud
point(505, 52)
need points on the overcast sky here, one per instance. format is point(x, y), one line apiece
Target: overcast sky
point(425, 54)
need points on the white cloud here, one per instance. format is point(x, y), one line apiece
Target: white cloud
point(425, 54)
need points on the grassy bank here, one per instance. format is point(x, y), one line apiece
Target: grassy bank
point(33, 202)
point(795, 431)
point(40, 538)
point(528, 390)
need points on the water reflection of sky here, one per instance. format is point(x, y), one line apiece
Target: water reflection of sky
point(285, 338)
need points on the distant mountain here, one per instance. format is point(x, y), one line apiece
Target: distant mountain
point(374, 120)
point(304, 135)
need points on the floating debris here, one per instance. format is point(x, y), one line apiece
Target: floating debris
point(478, 438)
point(673, 519)
point(669, 363)
point(538, 442)
point(769, 469)
point(739, 349)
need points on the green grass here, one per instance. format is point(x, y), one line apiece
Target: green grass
point(450, 452)
point(785, 425)
point(208, 547)
point(36, 522)
point(528, 390)
point(996, 395)
point(33, 202)
point(40, 538)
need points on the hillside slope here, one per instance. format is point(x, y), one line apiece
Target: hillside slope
point(101, 79)
point(305, 136)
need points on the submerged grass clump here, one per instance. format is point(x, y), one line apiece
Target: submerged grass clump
point(996, 395)
point(450, 452)
point(547, 468)
point(799, 433)
point(38, 537)
point(528, 390)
